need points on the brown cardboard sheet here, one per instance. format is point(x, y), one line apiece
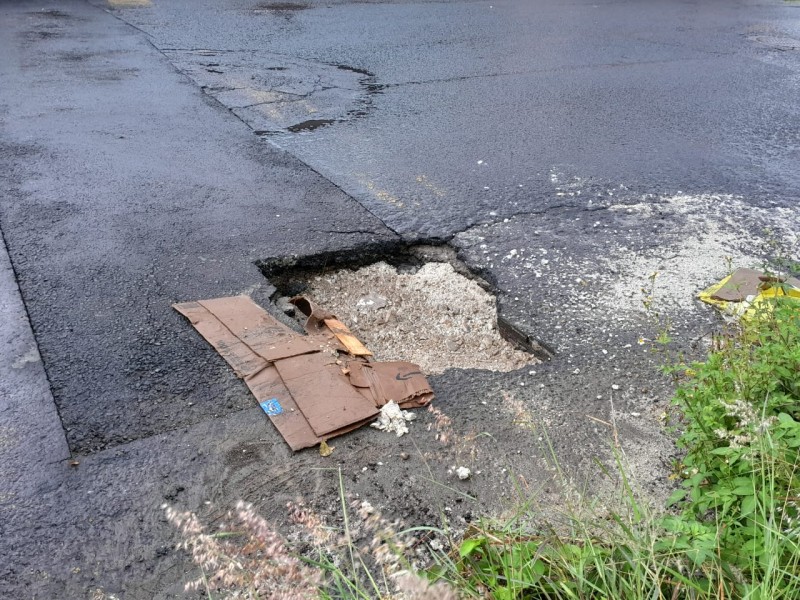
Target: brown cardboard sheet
point(741, 284)
point(239, 355)
point(275, 400)
point(323, 393)
point(260, 376)
point(748, 282)
point(298, 380)
point(266, 336)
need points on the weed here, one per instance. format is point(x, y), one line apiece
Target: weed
point(246, 558)
point(369, 557)
point(661, 322)
point(734, 527)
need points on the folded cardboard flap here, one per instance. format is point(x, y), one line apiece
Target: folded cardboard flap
point(298, 380)
point(402, 382)
point(319, 319)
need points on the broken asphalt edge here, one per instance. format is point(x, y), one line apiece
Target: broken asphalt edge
point(513, 333)
point(281, 271)
point(33, 442)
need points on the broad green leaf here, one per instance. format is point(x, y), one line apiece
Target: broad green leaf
point(748, 505)
point(676, 496)
point(469, 545)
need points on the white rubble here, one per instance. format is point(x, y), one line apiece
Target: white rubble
point(392, 418)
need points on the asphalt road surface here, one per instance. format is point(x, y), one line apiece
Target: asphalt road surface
point(157, 151)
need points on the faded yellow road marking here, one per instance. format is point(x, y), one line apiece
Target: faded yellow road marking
point(129, 3)
point(379, 193)
point(425, 181)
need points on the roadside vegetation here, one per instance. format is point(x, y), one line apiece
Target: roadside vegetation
point(731, 530)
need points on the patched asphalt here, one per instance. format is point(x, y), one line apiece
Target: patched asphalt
point(660, 97)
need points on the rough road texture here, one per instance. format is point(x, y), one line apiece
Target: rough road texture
point(433, 317)
point(127, 190)
point(659, 96)
point(549, 142)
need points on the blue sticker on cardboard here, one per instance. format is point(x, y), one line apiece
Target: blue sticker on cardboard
point(272, 407)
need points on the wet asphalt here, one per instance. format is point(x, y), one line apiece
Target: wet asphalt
point(659, 96)
point(154, 154)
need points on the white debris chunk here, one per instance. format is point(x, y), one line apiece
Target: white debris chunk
point(373, 301)
point(392, 418)
point(463, 473)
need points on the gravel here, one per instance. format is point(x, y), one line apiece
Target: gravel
point(434, 316)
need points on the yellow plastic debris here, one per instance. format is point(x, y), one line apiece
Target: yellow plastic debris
point(747, 294)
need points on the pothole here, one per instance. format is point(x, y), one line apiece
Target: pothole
point(310, 125)
point(419, 304)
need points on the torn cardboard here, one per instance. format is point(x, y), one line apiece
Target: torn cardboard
point(298, 380)
point(745, 292)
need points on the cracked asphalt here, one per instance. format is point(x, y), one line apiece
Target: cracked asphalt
point(157, 151)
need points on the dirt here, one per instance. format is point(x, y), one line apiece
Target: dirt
point(433, 316)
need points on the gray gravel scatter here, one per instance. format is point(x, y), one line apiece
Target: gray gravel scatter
point(433, 317)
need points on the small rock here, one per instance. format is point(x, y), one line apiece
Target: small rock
point(285, 306)
point(372, 301)
point(463, 473)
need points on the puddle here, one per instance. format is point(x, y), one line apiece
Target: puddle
point(421, 306)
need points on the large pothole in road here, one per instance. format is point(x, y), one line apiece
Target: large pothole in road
point(420, 305)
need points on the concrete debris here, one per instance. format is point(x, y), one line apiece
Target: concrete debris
point(372, 301)
point(285, 306)
point(434, 316)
